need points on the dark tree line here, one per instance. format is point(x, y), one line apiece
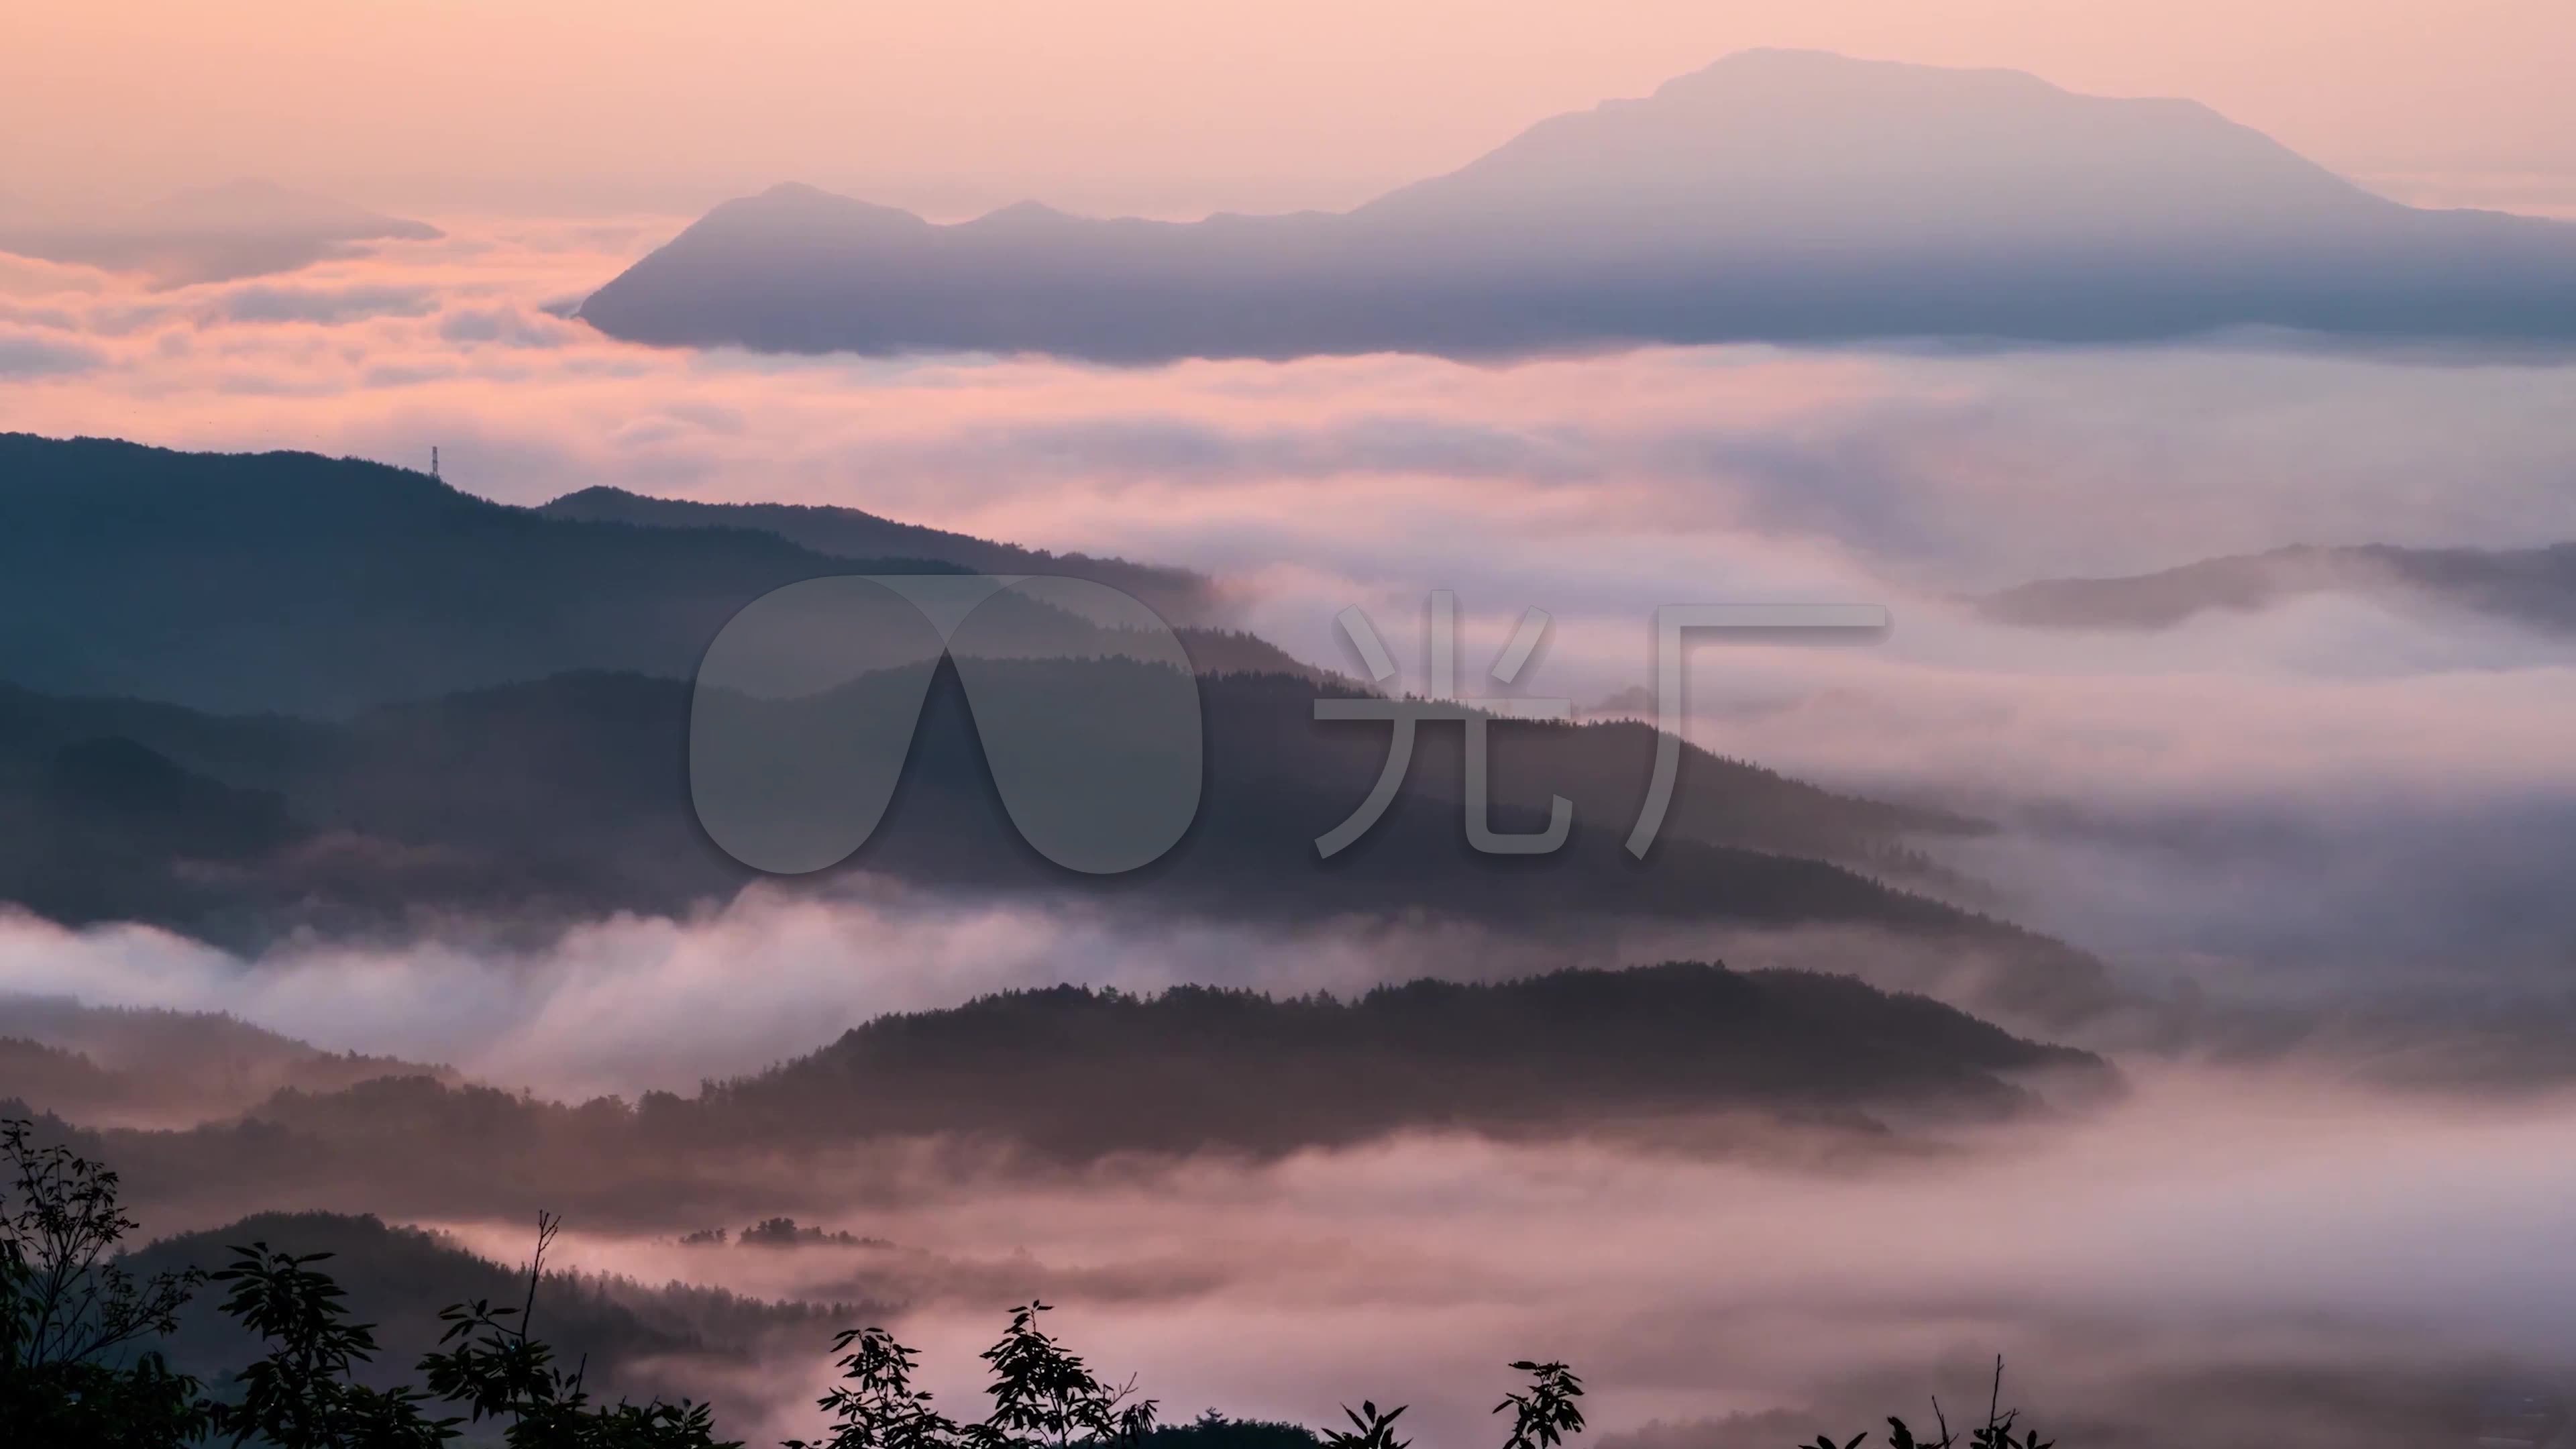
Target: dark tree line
point(79, 1370)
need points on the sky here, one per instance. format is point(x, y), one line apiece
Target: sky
point(1163, 107)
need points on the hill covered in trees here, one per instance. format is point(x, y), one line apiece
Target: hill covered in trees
point(316, 586)
point(1081, 1071)
point(1180, 596)
point(1044, 1081)
point(248, 695)
point(147, 1066)
point(569, 797)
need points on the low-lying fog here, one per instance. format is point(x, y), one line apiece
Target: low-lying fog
point(2274, 1242)
point(634, 1004)
point(2246, 1233)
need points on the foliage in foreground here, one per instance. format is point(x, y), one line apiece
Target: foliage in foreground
point(77, 1370)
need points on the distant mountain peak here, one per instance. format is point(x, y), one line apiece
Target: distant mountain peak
point(2533, 587)
point(1809, 65)
point(1774, 195)
point(1024, 212)
point(795, 200)
point(1833, 146)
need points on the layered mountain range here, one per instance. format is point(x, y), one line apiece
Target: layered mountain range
point(388, 693)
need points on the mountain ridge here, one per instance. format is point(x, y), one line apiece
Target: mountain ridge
point(1780, 196)
point(395, 699)
point(430, 589)
point(1180, 596)
point(567, 798)
point(2532, 587)
point(1693, 1055)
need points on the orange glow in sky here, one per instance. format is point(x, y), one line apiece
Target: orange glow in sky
point(1160, 106)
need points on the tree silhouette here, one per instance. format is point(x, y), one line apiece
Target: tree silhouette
point(875, 1405)
point(70, 1316)
point(498, 1368)
point(1995, 1433)
point(1369, 1428)
point(300, 1394)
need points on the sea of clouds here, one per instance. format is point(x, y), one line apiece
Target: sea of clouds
point(2332, 796)
point(2337, 782)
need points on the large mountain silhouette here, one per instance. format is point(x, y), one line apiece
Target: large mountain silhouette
point(1776, 194)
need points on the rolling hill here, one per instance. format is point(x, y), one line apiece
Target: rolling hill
point(1699, 1057)
point(1178, 595)
point(375, 692)
point(136, 1066)
point(259, 695)
point(304, 585)
point(569, 797)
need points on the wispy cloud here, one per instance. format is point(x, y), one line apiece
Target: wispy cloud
point(326, 306)
point(34, 353)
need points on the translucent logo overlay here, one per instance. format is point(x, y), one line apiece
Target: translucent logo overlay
point(1087, 709)
point(807, 701)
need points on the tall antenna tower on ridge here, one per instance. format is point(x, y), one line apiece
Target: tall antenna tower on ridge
point(433, 460)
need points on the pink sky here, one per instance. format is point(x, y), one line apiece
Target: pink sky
point(1167, 106)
